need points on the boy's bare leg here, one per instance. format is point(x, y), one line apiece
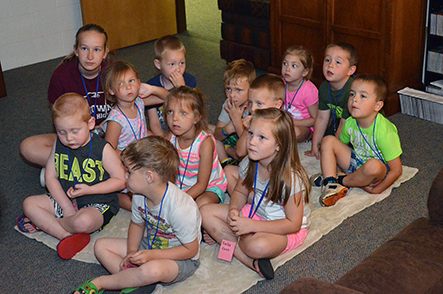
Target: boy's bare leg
point(110, 253)
point(333, 153)
point(370, 172)
point(40, 210)
point(86, 220)
point(161, 270)
point(36, 149)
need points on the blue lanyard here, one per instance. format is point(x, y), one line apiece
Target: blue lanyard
point(376, 152)
point(334, 113)
point(96, 92)
point(286, 88)
point(252, 211)
point(158, 219)
point(127, 119)
point(70, 166)
point(187, 162)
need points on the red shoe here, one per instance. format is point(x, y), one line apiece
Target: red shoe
point(68, 247)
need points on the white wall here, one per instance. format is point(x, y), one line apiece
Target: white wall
point(32, 31)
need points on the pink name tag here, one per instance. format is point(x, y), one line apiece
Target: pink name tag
point(226, 250)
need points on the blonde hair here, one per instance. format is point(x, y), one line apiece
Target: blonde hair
point(153, 153)
point(192, 98)
point(70, 104)
point(114, 72)
point(83, 29)
point(286, 162)
point(305, 57)
point(168, 42)
point(239, 69)
point(272, 83)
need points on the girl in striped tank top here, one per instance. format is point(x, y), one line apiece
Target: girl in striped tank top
point(200, 173)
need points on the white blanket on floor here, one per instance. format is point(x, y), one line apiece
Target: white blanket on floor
point(236, 277)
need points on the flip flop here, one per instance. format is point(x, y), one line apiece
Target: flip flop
point(265, 267)
point(68, 247)
point(21, 224)
point(88, 288)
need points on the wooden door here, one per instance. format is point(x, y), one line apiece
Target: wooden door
point(131, 22)
point(301, 22)
point(361, 23)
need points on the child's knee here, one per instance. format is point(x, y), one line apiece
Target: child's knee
point(255, 248)
point(100, 245)
point(328, 141)
point(87, 222)
point(374, 168)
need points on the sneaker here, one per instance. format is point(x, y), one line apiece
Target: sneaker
point(331, 193)
point(316, 180)
point(42, 177)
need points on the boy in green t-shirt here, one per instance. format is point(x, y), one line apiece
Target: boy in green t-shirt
point(373, 163)
point(339, 64)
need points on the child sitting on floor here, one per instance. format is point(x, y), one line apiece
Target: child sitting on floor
point(301, 99)
point(170, 253)
point(339, 64)
point(373, 162)
point(237, 77)
point(200, 173)
point(126, 122)
point(268, 213)
point(170, 60)
point(83, 174)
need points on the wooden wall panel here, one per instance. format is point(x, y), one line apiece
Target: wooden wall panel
point(131, 22)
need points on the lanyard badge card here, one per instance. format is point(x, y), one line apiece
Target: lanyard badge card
point(227, 246)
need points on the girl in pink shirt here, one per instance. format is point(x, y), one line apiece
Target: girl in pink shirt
point(301, 99)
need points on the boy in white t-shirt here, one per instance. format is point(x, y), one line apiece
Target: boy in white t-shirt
point(170, 253)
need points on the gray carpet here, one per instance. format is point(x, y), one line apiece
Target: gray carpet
point(30, 267)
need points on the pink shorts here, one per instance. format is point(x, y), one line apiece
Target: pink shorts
point(294, 239)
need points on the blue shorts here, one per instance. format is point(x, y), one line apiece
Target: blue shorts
point(355, 163)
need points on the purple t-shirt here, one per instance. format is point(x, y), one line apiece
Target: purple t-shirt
point(67, 78)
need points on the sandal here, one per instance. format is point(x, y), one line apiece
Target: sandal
point(68, 247)
point(88, 288)
point(265, 267)
point(21, 224)
point(140, 290)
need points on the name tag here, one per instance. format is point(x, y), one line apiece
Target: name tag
point(226, 250)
